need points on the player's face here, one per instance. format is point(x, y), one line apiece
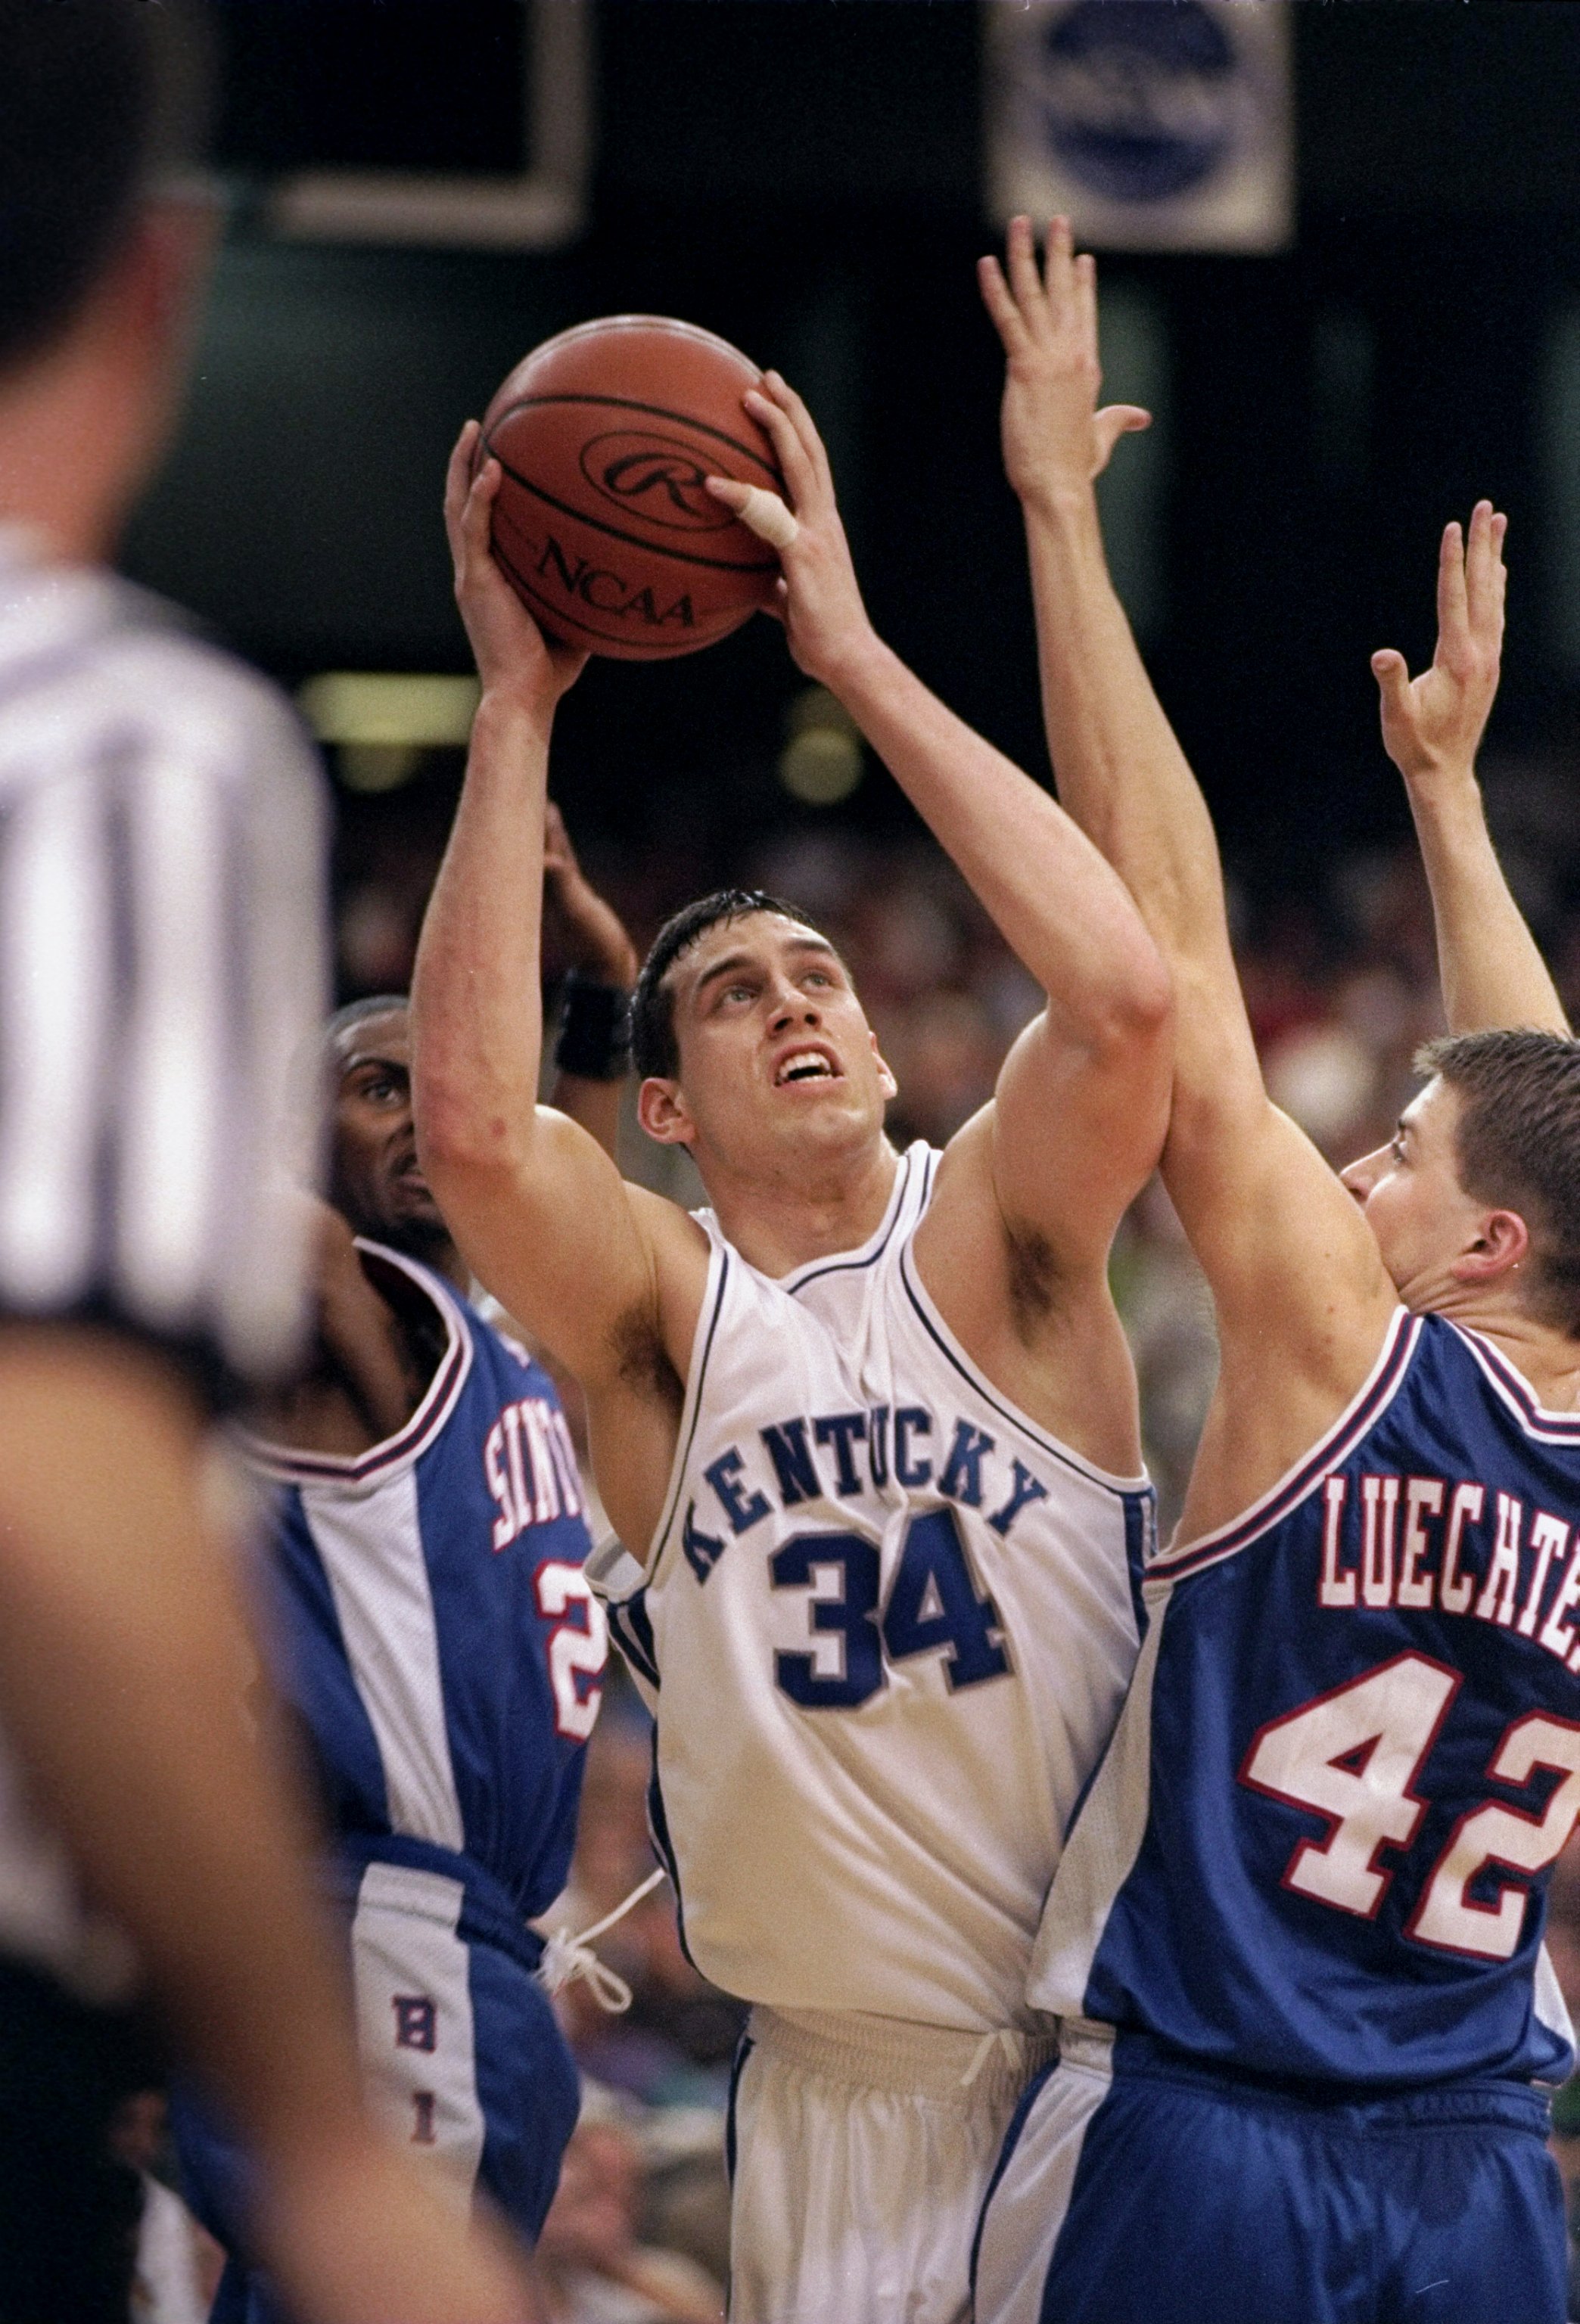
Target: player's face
point(778, 1062)
point(374, 1180)
point(1410, 1189)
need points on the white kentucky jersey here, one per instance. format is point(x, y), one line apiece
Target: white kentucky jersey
point(887, 1627)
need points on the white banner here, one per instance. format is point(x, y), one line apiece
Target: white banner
point(1152, 124)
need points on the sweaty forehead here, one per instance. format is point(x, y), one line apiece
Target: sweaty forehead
point(749, 937)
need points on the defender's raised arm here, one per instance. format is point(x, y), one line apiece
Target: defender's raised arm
point(1492, 972)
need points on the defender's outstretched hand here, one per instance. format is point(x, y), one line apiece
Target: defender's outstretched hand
point(1054, 435)
point(818, 600)
point(1432, 725)
point(512, 654)
point(592, 935)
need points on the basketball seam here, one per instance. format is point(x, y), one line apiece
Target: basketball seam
point(655, 411)
point(648, 548)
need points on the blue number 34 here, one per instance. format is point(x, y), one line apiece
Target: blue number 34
point(932, 1606)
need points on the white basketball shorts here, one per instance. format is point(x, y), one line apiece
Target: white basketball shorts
point(861, 2150)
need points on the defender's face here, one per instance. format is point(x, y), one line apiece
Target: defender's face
point(374, 1180)
point(1409, 1190)
point(776, 1052)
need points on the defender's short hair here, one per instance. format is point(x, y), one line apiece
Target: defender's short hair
point(654, 1047)
point(96, 98)
point(1517, 1146)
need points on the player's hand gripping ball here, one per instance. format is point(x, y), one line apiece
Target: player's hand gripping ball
point(602, 521)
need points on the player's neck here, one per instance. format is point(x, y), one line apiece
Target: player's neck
point(778, 1225)
point(1544, 1358)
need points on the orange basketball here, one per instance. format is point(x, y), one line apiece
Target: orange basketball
point(601, 521)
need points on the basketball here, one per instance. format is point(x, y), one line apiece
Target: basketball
point(603, 522)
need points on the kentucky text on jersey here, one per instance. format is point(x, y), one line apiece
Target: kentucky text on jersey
point(845, 1455)
point(1320, 1843)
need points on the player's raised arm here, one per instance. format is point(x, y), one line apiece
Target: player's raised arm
point(536, 1206)
point(1082, 1100)
point(1493, 974)
point(1287, 1254)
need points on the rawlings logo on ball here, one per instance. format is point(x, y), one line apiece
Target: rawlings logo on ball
point(662, 478)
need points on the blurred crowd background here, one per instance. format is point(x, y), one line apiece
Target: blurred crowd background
point(812, 180)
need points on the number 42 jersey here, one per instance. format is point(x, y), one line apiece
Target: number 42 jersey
point(1318, 1847)
point(886, 1631)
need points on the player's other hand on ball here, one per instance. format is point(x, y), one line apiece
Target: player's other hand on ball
point(818, 600)
point(1432, 725)
point(1054, 435)
point(511, 652)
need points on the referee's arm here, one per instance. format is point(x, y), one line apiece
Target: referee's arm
point(160, 957)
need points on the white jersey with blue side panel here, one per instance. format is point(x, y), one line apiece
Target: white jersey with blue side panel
point(438, 1639)
point(1318, 1847)
point(886, 1633)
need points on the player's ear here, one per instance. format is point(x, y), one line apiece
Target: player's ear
point(886, 1080)
point(663, 1113)
point(1501, 1243)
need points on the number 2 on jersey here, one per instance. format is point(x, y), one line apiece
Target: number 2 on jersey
point(1353, 1757)
point(933, 1607)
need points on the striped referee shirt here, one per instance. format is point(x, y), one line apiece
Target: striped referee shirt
point(162, 965)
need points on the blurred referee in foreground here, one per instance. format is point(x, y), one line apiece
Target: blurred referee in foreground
point(160, 955)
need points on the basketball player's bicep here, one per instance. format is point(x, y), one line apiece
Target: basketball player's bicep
point(1077, 1128)
point(552, 1230)
point(1293, 1268)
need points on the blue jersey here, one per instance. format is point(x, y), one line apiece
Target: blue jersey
point(1319, 1844)
point(438, 1639)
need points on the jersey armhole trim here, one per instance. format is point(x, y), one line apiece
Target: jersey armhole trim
point(438, 1399)
point(691, 1410)
point(938, 1332)
point(1331, 1450)
point(1516, 1391)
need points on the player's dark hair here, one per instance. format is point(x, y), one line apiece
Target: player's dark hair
point(654, 1047)
point(1518, 1146)
point(97, 97)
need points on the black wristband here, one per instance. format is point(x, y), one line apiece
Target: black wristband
point(595, 1029)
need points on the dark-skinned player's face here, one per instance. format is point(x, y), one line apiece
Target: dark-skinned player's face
point(373, 1177)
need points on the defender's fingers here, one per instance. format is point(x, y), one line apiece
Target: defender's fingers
point(1020, 266)
point(1481, 562)
point(1007, 317)
point(1394, 682)
point(762, 512)
point(1059, 274)
point(1085, 276)
point(1453, 600)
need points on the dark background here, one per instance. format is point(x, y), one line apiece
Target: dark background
point(804, 177)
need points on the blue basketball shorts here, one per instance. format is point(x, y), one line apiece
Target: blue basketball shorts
point(1135, 2189)
point(464, 2064)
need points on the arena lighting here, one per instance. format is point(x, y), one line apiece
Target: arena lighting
point(821, 762)
point(381, 722)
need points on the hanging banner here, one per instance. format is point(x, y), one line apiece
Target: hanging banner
point(1152, 124)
